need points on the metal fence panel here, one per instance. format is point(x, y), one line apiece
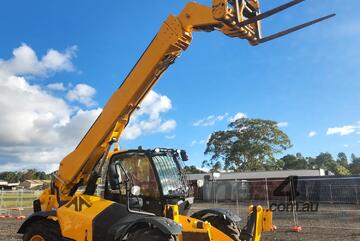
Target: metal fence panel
point(324, 203)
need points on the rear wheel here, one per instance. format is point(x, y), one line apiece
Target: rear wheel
point(149, 234)
point(227, 227)
point(43, 230)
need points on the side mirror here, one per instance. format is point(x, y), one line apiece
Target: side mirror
point(113, 178)
point(184, 155)
point(136, 191)
point(200, 183)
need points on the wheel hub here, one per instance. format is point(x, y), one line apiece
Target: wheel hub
point(37, 238)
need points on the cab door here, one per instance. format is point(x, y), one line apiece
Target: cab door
point(139, 172)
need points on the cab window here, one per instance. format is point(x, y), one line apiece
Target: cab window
point(140, 172)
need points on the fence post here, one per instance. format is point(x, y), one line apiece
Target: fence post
point(17, 198)
point(2, 198)
point(267, 193)
point(22, 198)
point(215, 175)
point(356, 195)
point(296, 227)
point(331, 195)
point(237, 196)
point(214, 191)
point(307, 198)
point(2, 208)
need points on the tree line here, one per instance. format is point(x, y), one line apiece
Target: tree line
point(255, 144)
point(339, 166)
point(20, 176)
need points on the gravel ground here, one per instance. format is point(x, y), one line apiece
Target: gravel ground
point(341, 223)
point(8, 229)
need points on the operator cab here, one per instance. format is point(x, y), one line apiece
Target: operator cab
point(157, 173)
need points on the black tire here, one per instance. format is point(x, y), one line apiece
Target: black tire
point(149, 234)
point(46, 229)
point(227, 227)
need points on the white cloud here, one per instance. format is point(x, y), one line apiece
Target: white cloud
point(346, 145)
point(167, 126)
point(343, 130)
point(154, 104)
point(282, 124)
point(25, 62)
point(170, 137)
point(200, 142)
point(27, 119)
point(132, 132)
point(37, 129)
point(46, 152)
point(210, 120)
point(148, 118)
point(75, 129)
point(238, 115)
point(193, 143)
point(312, 133)
point(56, 86)
point(82, 93)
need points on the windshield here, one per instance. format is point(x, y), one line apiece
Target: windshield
point(171, 179)
point(140, 172)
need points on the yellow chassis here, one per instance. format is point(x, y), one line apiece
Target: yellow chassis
point(193, 228)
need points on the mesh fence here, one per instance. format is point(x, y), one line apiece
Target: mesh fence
point(324, 203)
point(16, 200)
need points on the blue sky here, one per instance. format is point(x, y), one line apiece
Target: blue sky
point(309, 80)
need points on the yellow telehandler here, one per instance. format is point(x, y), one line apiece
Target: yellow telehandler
point(102, 193)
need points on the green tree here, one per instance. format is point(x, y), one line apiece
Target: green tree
point(311, 162)
point(29, 174)
point(325, 161)
point(341, 171)
point(192, 170)
point(41, 175)
point(275, 164)
point(216, 167)
point(294, 162)
point(355, 165)
point(11, 177)
point(342, 159)
point(248, 144)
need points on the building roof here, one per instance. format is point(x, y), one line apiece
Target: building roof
point(39, 182)
point(260, 174)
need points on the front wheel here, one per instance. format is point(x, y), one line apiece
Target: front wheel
point(227, 227)
point(43, 230)
point(149, 234)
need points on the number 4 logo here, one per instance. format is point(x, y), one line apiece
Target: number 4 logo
point(290, 184)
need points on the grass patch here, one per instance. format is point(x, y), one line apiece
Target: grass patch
point(17, 199)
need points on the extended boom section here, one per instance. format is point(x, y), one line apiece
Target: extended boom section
point(163, 50)
point(237, 18)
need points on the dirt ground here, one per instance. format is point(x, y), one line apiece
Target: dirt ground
point(8, 229)
point(330, 223)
